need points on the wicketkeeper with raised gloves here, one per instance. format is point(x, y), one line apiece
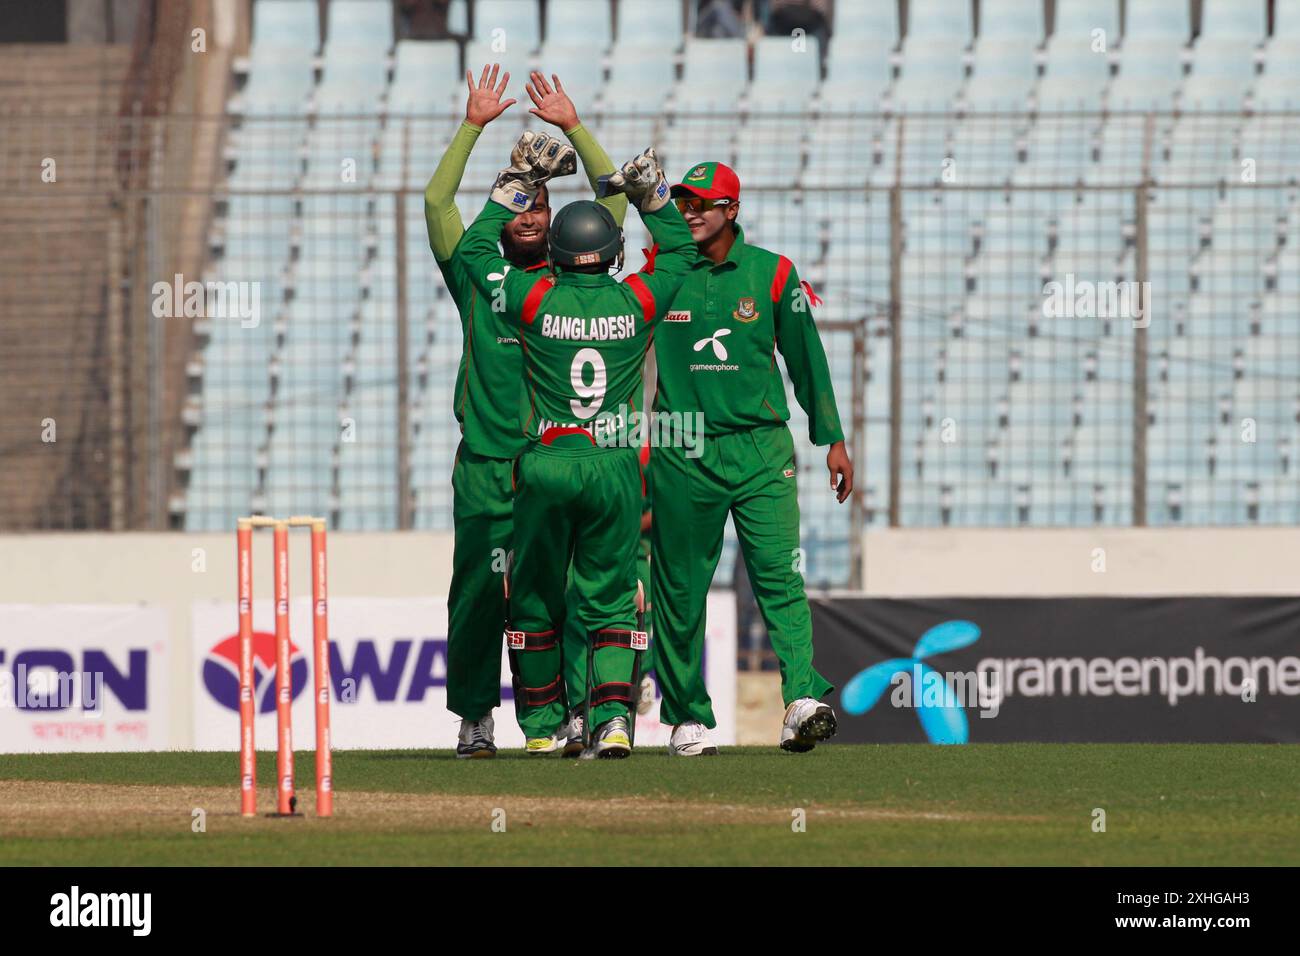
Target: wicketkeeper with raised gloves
point(487, 395)
point(716, 355)
point(578, 486)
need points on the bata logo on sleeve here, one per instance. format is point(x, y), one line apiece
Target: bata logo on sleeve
point(678, 315)
point(746, 311)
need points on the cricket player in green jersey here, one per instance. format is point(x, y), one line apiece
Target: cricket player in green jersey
point(716, 355)
point(575, 635)
point(487, 396)
point(578, 486)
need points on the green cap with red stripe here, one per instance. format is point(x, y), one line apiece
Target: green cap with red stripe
point(709, 181)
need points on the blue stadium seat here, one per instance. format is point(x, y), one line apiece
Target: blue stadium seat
point(867, 75)
point(942, 20)
point(1242, 20)
point(353, 82)
point(650, 23)
point(1011, 20)
point(279, 81)
point(1002, 74)
point(714, 74)
point(1276, 87)
point(1150, 73)
point(286, 23)
point(930, 75)
point(784, 78)
point(1222, 72)
point(1158, 20)
point(581, 73)
point(569, 22)
point(1077, 19)
point(638, 79)
point(360, 23)
point(458, 18)
point(423, 72)
point(1074, 78)
point(514, 23)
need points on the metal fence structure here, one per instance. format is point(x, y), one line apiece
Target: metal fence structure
point(1031, 320)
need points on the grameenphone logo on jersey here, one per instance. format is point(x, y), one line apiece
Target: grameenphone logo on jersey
point(221, 672)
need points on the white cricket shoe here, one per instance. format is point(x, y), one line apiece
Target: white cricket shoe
point(612, 740)
point(806, 722)
point(476, 739)
point(573, 736)
point(691, 739)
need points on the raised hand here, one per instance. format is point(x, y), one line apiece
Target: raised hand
point(484, 103)
point(552, 104)
point(535, 159)
point(641, 179)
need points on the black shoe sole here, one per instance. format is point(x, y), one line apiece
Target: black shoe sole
point(572, 750)
point(476, 754)
point(820, 726)
point(796, 745)
point(617, 753)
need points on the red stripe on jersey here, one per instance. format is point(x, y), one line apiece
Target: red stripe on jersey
point(783, 266)
point(650, 254)
point(556, 431)
point(643, 296)
point(534, 298)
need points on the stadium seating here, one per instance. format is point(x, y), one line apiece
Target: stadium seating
point(965, 123)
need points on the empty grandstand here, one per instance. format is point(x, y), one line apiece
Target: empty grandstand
point(1055, 244)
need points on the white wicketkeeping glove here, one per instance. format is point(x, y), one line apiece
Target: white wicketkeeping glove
point(535, 159)
point(642, 180)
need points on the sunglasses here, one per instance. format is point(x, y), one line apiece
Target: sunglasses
point(699, 203)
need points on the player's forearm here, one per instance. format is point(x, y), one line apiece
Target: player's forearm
point(440, 213)
point(805, 360)
point(478, 250)
point(596, 163)
point(673, 237)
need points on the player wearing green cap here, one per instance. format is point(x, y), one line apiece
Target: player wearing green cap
point(487, 396)
point(716, 355)
point(578, 486)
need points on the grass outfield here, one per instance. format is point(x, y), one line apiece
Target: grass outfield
point(902, 804)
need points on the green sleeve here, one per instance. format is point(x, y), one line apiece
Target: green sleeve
point(805, 361)
point(668, 230)
point(440, 212)
point(477, 254)
point(596, 163)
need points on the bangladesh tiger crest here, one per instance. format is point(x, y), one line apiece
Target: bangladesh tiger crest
point(696, 173)
point(746, 311)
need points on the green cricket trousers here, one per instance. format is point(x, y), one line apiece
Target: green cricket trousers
point(577, 518)
point(481, 513)
point(750, 475)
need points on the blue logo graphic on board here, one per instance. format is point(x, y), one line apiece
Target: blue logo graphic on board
point(944, 722)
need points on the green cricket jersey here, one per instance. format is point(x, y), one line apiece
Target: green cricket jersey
point(584, 336)
point(489, 396)
point(716, 348)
